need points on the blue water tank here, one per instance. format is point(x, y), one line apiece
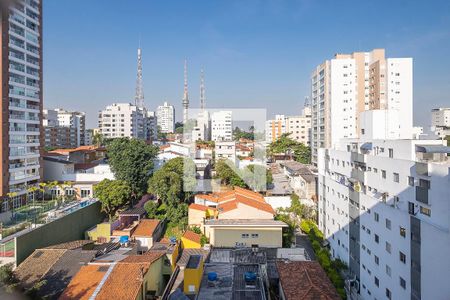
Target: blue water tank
point(250, 276)
point(172, 240)
point(212, 276)
point(123, 239)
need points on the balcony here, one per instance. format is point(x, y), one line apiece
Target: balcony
point(422, 168)
point(422, 194)
point(358, 157)
point(358, 175)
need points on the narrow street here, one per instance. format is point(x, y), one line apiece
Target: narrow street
point(302, 241)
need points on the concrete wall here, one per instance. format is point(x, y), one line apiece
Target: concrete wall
point(68, 228)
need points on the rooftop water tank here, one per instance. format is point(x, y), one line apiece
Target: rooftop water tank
point(212, 276)
point(123, 239)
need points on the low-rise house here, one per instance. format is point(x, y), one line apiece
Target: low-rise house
point(193, 274)
point(304, 280)
point(147, 232)
point(244, 232)
point(191, 240)
point(242, 151)
point(198, 213)
point(171, 248)
point(134, 277)
point(301, 178)
point(225, 150)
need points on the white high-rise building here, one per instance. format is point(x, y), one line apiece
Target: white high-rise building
point(221, 126)
point(21, 106)
point(275, 128)
point(73, 120)
point(440, 121)
point(202, 131)
point(383, 207)
point(122, 120)
point(345, 86)
point(165, 115)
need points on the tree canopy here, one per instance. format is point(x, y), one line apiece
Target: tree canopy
point(131, 160)
point(113, 194)
point(239, 133)
point(284, 144)
point(249, 177)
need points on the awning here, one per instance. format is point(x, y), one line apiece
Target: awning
point(366, 146)
point(432, 149)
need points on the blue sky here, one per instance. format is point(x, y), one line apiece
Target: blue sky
point(255, 53)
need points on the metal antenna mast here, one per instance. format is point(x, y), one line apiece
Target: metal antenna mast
point(202, 91)
point(139, 97)
point(185, 95)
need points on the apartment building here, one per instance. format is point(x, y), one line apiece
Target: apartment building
point(64, 129)
point(440, 121)
point(202, 130)
point(165, 115)
point(21, 94)
point(383, 208)
point(152, 126)
point(122, 120)
point(348, 84)
point(298, 127)
point(221, 126)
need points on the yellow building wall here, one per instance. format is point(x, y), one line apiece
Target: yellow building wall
point(193, 278)
point(153, 280)
point(102, 230)
point(188, 244)
point(228, 237)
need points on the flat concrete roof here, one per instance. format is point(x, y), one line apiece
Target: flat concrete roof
point(245, 222)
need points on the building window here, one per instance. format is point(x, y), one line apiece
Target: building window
point(388, 247)
point(377, 282)
point(402, 257)
point(388, 224)
point(403, 283)
point(377, 259)
point(411, 180)
point(244, 235)
point(383, 174)
point(396, 177)
point(85, 193)
point(402, 231)
point(255, 235)
point(377, 238)
point(388, 294)
point(424, 183)
point(388, 270)
point(425, 211)
point(391, 153)
point(377, 217)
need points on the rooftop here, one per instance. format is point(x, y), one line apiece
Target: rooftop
point(192, 236)
point(245, 222)
point(305, 280)
point(194, 261)
point(182, 262)
point(146, 228)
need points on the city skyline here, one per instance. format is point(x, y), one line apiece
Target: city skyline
point(253, 54)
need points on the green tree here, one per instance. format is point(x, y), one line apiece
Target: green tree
point(227, 175)
point(151, 207)
point(113, 194)
point(284, 144)
point(97, 139)
point(131, 160)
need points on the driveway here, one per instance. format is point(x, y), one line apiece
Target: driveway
point(302, 241)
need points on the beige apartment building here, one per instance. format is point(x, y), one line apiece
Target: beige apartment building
point(298, 127)
point(348, 84)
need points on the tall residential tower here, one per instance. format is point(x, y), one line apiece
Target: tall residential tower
point(185, 95)
point(21, 94)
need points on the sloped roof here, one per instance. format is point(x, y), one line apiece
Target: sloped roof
point(70, 245)
point(200, 207)
point(124, 282)
point(192, 236)
point(84, 283)
point(146, 228)
point(305, 280)
point(31, 270)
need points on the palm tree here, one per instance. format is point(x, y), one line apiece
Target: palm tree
point(42, 186)
point(97, 139)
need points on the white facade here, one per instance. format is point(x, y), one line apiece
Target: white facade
point(440, 121)
point(275, 128)
point(165, 115)
point(122, 120)
point(343, 87)
point(21, 85)
point(225, 150)
point(71, 119)
point(221, 126)
point(298, 127)
point(202, 131)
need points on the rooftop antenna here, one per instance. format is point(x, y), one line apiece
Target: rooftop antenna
point(139, 97)
point(185, 95)
point(307, 102)
point(202, 91)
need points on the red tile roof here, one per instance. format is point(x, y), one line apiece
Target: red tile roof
point(305, 280)
point(146, 228)
point(192, 236)
point(200, 207)
point(84, 283)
